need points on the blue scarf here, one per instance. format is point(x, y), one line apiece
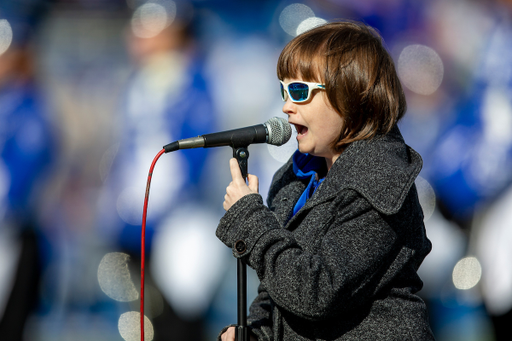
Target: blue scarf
point(306, 166)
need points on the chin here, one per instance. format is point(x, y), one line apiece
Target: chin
point(303, 150)
point(306, 151)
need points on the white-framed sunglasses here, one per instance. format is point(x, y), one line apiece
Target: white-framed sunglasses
point(298, 91)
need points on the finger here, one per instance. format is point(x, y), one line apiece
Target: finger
point(228, 335)
point(236, 173)
point(254, 183)
point(225, 204)
point(231, 334)
point(231, 189)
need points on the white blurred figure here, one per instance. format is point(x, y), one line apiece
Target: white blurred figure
point(166, 99)
point(493, 230)
point(493, 238)
point(475, 156)
point(27, 157)
point(246, 92)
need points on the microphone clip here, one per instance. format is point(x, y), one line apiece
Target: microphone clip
point(241, 154)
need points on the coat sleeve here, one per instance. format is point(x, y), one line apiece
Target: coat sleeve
point(356, 257)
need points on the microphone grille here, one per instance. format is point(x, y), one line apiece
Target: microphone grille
point(279, 131)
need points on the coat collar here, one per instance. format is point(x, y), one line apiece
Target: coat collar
point(381, 169)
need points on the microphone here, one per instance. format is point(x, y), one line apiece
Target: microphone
point(275, 131)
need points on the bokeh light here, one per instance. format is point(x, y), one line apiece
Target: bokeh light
point(467, 273)
point(151, 19)
point(421, 69)
point(114, 277)
point(292, 16)
point(129, 327)
point(5, 35)
point(309, 23)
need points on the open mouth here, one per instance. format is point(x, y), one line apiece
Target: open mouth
point(301, 130)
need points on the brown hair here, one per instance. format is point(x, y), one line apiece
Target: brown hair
point(359, 75)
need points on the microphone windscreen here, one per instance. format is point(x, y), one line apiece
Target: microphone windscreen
point(279, 131)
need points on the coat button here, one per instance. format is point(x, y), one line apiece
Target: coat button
point(240, 246)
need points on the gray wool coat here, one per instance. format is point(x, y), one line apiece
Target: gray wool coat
point(345, 266)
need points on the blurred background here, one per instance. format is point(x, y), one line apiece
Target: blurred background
point(90, 91)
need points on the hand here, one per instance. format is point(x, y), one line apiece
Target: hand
point(238, 188)
point(229, 335)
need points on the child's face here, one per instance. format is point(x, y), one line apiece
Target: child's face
point(317, 124)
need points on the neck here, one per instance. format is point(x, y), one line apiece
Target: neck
point(329, 161)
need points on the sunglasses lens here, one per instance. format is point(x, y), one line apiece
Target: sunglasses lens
point(298, 91)
point(283, 93)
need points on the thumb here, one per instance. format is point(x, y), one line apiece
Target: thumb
point(254, 183)
point(236, 173)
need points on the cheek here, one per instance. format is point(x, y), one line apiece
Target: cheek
point(333, 125)
point(331, 119)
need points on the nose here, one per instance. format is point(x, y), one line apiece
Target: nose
point(289, 108)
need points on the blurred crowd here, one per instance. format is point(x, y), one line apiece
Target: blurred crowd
point(91, 90)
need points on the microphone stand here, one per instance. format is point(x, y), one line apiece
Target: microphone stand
point(241, 154)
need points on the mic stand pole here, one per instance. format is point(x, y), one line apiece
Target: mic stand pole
point(241, 154)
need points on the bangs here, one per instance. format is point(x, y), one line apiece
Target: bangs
point(303, 58)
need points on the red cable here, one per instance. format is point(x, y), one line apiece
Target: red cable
point(143, 242)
